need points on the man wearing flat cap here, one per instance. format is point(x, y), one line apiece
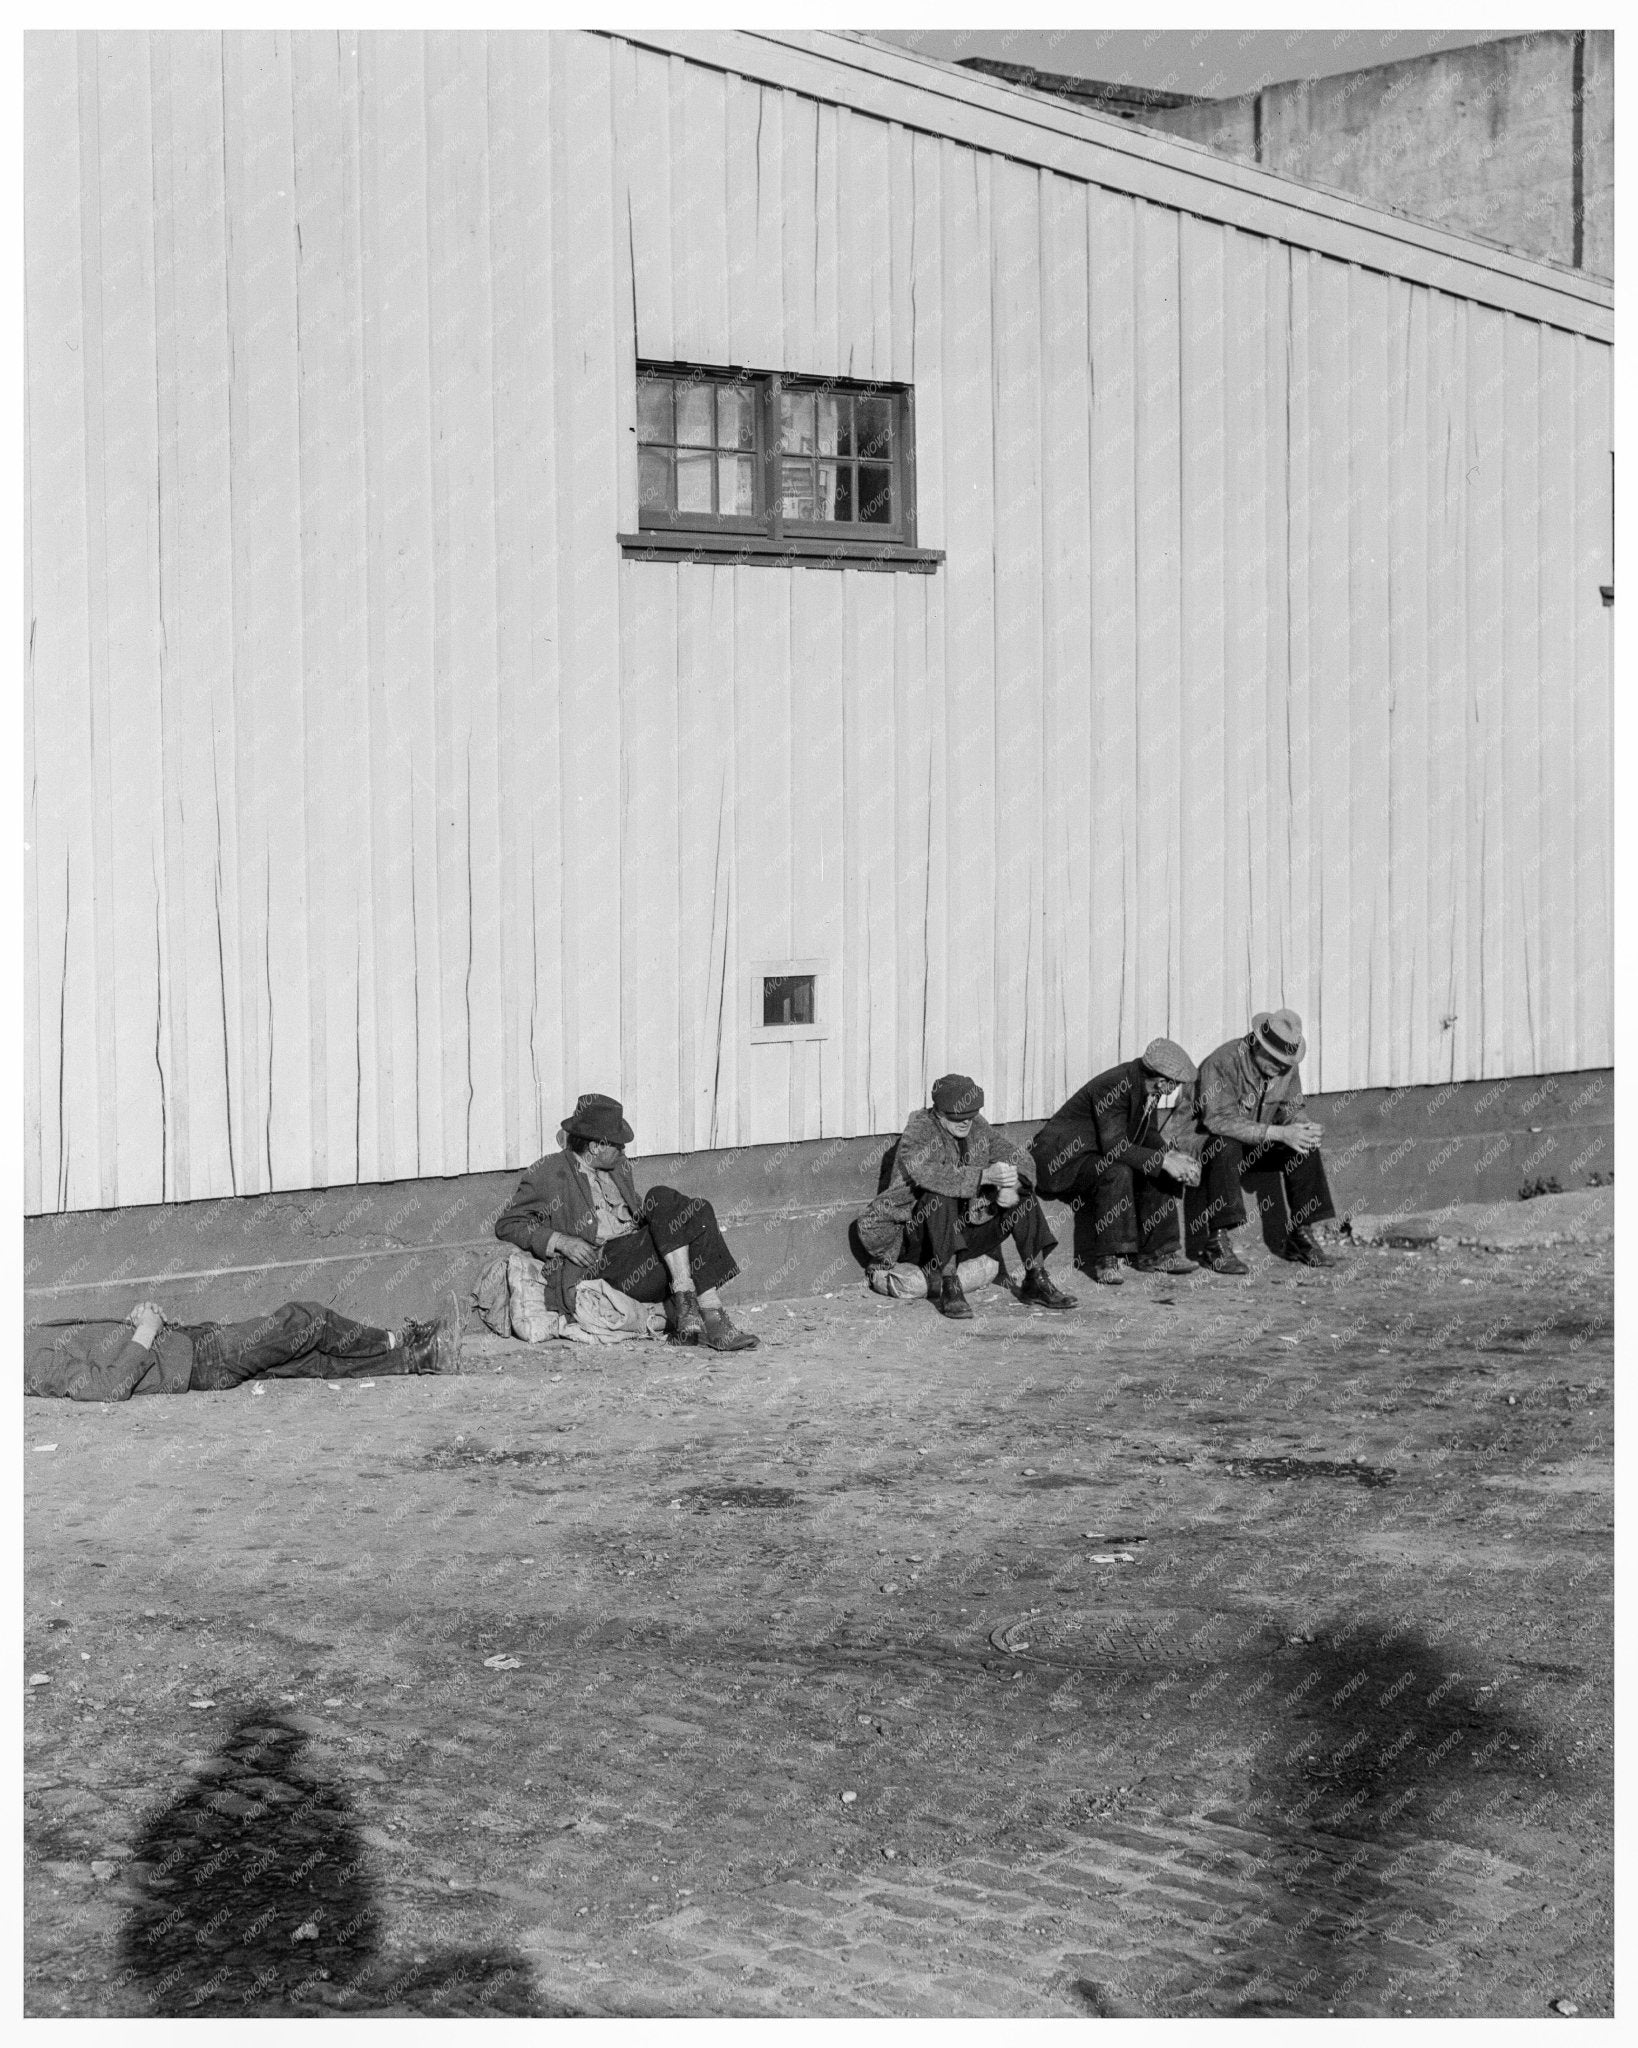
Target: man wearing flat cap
point(1120, 1151)
point(578, 1211)
point(960, 1188)
point(1253, 1118)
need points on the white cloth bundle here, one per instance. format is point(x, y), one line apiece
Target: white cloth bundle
point(909, 1283)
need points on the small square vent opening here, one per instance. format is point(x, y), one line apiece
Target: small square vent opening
point(787, 999)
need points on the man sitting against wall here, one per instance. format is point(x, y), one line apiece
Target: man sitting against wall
point(1120, 1152)
point(1253, 1119)
point(578, 1212)
point(148, 1354)
point(959, 1188)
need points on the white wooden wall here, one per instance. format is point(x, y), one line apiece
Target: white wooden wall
point(375, 807)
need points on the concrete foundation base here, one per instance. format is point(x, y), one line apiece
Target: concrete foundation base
point(383, 1252)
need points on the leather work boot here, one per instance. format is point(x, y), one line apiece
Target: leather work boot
point(1162, 1262)
point(1303, 1248)
point(1107, 1272)
point(1218, 1256)
point(951, 1299)
point(1039, 1287)
point(722, 1334)
point(434, 1346)
point(690, 1327)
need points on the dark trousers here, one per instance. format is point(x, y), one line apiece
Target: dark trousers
point(1217, 1204)
point(1120, 1213)
point(303, 1340)
point(940, 1232)
point(636, 1264)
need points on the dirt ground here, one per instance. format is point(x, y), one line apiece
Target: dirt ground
point(1221, 1647)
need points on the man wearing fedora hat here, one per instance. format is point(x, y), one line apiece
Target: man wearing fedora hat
point(578, 1211)
point(1120, 1152)
point(1253, 1117)
point(960, 1188)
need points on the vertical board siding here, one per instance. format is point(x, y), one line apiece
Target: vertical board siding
point(375, 807)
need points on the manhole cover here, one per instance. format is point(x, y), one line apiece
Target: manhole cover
point(451, 1457)
point(704, 1498)
point(1307, 1468)
point(1161, 1638)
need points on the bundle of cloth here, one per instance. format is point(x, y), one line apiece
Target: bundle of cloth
point(511, 1297)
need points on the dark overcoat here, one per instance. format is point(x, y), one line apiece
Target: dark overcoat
point(1109, 1122)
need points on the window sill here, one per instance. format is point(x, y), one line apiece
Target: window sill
point(755, 550)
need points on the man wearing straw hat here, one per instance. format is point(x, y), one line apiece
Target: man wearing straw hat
point(1254, 1119)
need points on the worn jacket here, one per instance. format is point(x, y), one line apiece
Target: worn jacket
point(104, 1362)
point(553, 1195)
point(1110, 1122)
point(928, 1158)
point(1236, 1101)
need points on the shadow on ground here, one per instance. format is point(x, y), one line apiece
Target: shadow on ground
point(255, 1897)
point(1381, 1749)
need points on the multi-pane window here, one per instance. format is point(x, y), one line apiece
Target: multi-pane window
point(698, 447)
point(836, 457)
point(770, 454)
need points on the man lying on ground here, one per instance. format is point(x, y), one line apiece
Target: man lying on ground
point(1252, 1117)
point(1120, 1151)
point(301, 1340)
point(959, 1188)
point(579, 1213)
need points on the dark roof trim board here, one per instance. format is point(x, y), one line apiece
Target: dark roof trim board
point(1101, 149)
point(1063, 86)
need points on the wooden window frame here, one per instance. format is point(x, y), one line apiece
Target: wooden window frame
point(769, 537)
point(789, 1034)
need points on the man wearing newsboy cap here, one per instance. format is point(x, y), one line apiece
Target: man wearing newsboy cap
point(578, 1211)
point(1253, 1118)
point(1120, 1153)
point(960, 1188)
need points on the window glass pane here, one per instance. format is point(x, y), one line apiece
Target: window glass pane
point(796, 489)
point(654, 479)
point(875, 426)
point(835, 424)
point(787, 999)
point(875, 494)
point(796, 422)
point(653, 409)
point(835, 490)
point(736, 485)
point(694, 483)
point(736, 417)
point(695, 426)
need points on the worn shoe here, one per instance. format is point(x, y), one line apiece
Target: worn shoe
point(434, 1346)
point(446, 1341)
point(723, 1334)
point(1107, 1272)
point(951, 1299)
point(1038, 1286)
point(690, 1324)
point(1219, 1257)
point(1302, 1248)
point(1162, 1262)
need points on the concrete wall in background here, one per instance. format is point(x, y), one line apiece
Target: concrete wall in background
point(1513, 140)
point(385, 1252)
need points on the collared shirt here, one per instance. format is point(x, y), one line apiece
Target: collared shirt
point(614, 1219)
point(1239, 1101)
